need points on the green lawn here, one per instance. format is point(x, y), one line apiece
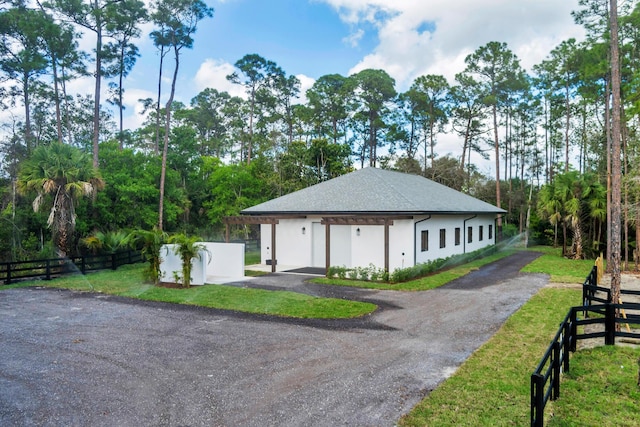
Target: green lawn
point(599, 390)
point(127, 281)
point(561, 270)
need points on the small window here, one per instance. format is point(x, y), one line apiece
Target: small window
point(481, 233)
point(424, 240)
point(469, 234)
point(490, 232)
point(457, 236)
point(443, 238)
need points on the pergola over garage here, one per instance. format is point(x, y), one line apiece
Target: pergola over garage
point(370, 217)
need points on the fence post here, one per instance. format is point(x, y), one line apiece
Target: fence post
point(113, 261)
point(8, 280)
point(566, 348)
point(610, 324)
point(83, 264)
point(555, 377)
point(537, 400)
point(574, 329)
point(48, 270)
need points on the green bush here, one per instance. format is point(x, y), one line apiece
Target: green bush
point(370, 273)
point(400, 275)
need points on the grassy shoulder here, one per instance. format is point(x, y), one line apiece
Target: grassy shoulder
point(127, 281)
point(560, 269)
point(492, 387)
point(599, 390)
point(425, 283)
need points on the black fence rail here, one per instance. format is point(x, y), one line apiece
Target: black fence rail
point(250, 245)
point(47, 269)
point(545, 381)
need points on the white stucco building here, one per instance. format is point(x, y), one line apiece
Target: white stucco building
point(371, 216)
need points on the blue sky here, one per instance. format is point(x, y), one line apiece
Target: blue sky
point(298, 35)
point(311, 38)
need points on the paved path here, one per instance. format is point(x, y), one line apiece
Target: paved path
point(84, 359)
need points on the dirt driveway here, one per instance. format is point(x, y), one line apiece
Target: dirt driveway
point(78, 359)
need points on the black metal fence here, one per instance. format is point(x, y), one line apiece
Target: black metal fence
point(545, 381)
point(47, 269)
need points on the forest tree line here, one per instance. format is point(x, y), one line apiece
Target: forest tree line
point(548, 131)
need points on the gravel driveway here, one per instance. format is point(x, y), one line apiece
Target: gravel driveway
point(79, 359)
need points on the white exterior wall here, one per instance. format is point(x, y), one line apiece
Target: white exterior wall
point(401, 248)
point(341, 244)
point(368, 247)
point(481, 220)
point(449, 223)
point(216, 259)
point(293, 248)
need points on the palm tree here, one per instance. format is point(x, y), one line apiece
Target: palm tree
point(187, 249)
point(61, 174)
point(569, 191)
point(150, 242)
point(109, 242)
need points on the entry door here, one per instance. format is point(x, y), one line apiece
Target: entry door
point(318, 245)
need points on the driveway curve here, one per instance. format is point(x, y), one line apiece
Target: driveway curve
point(79, 359)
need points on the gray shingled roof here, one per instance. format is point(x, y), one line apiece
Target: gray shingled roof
point(374, 191)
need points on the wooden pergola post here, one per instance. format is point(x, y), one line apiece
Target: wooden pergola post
point(273, 247)
point(386, 245)
point(327, 249)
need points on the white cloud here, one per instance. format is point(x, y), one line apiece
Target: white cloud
point(213, 74)
point(305, 84)
point(134, 116)
point(354, 38)
point(418, 37)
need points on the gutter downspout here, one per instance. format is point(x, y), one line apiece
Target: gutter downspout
point(495, 227)
point(464, 226)
point(415, 238)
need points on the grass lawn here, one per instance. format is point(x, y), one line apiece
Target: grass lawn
point(561, 270)
point(424, 283)
point(599, 390)
point(127, 281)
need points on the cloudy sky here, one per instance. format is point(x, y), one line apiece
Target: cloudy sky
point(311, 38)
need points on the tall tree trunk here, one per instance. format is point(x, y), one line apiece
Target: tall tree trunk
point(497, 153)
point(637, 251)
point(615, 154)
point(28, 136)
point(98, 73)
point(156, 145)
point(120, 79)
point(607, 131)
point(251, 113)
point(167, 129)
point(56, 95)
point(567, 127)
